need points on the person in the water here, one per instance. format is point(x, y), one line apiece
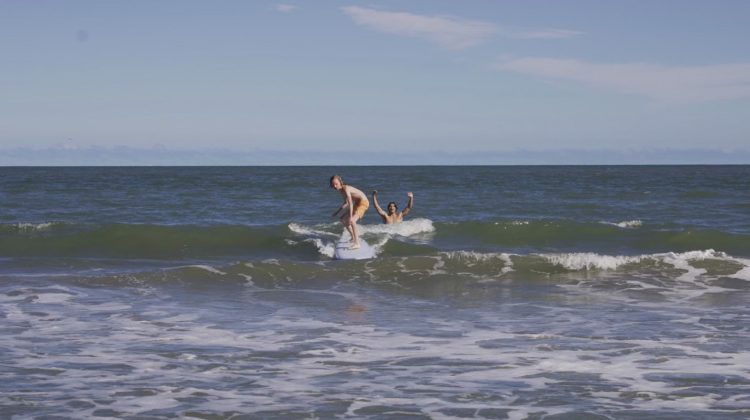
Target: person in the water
point(393, 215)
point(355, 202)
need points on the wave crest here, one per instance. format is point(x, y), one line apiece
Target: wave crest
point(626, 224)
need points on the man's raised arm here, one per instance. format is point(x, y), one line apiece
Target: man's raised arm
point(409, 205)
point(375, 202)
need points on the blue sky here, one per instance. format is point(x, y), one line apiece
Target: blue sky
point(413, 77)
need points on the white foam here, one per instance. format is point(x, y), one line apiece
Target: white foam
point(514, 223)
point(590, 261)
point(697, 255)
point(379, 244)
point(327, 248)
point(248, 279)
point(471, 258)
point(310, 231)
point(406, 228)
point(692, 283)
point(318, 237)
point(383, 232)
point(208, 355)
point(626, 224)
point(744, 273)
point(202, 267)
point(679, 260)
point(26, 227)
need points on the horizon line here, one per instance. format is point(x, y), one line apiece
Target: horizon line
point(127, 156)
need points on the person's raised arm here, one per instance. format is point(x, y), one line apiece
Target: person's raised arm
point(409, 205)
point(375, 202)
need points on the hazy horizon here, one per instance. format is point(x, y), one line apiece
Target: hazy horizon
point(129, 156)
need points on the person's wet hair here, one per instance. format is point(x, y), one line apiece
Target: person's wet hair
point(330, 182)
point(394, 204)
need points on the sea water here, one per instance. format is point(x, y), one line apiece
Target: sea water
point(509, 292)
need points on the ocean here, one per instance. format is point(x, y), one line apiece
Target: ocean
point(518, 292)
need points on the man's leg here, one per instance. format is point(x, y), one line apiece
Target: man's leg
point(348, 226)
point(355, 236)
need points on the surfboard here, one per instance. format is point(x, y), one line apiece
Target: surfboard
point(343, 252)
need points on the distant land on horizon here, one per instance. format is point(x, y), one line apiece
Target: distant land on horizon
point(158, 156)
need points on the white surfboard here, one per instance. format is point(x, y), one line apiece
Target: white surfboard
point(343, 252)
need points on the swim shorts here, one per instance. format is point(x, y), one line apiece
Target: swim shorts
point(360, 208)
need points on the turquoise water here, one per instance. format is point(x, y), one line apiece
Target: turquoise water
point(509, 292)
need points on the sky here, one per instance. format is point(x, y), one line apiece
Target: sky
point(357, 82)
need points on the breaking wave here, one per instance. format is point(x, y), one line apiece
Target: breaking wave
point(306, 242)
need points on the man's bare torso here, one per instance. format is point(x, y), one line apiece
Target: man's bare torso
point(393, 218)
point(356, 194)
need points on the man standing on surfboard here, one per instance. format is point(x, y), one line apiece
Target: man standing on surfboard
point(393, 215)
point(355, 201)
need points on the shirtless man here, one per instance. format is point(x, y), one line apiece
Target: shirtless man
point(355, 201)
point(393, 216)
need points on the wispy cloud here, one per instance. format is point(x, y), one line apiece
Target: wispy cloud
point(671, 84)
point(285, 8)
point(448, 31)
